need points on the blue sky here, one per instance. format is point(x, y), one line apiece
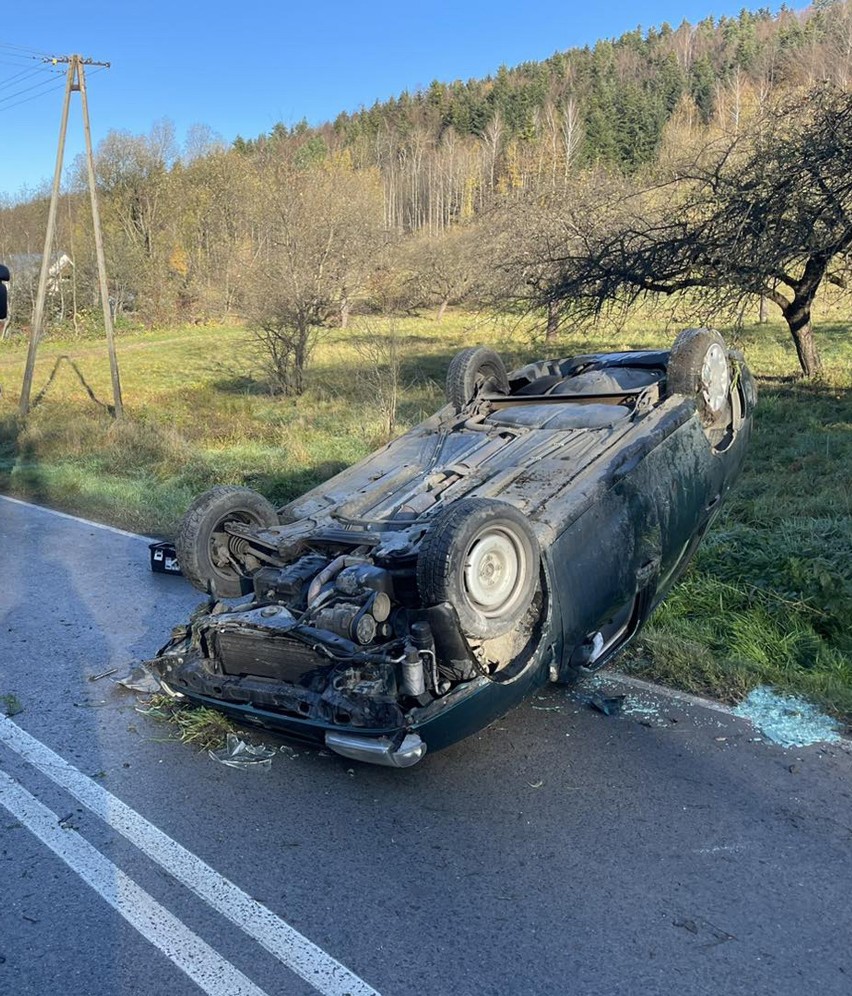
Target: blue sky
point(240, 67)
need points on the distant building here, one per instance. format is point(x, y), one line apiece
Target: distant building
point(26, 268)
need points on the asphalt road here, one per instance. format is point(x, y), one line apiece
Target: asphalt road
point(561, 851)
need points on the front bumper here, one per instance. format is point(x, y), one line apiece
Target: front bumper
point(382, 750)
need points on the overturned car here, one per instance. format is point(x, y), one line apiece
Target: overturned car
point(522, 534)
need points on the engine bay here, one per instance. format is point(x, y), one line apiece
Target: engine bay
point(336, 637)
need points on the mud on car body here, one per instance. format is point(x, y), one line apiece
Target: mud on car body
point(522, 534)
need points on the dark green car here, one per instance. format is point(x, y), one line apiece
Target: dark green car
point(521, 535)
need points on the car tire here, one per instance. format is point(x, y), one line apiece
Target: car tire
point(473, 370)
point(699, 368)
point(199, 543)
point(482, 557)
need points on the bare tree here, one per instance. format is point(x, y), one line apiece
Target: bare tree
point(132, 172)
point(446, 267)
point(201, 141)
point(572, 133)
point(840, 50)
point(493, 140)
point(769, 214)
point(381, 353)
point(315, 229)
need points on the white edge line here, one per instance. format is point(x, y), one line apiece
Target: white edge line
point(699, 701)
point(77, 518)
point(297, 952)
point(184, 948)
point(652, 688)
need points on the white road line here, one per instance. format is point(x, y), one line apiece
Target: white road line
point(293, 949)
point(640, 685)
point(77, 518)
point(178, 943)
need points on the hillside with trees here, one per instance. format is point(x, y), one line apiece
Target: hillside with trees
point(460, 193)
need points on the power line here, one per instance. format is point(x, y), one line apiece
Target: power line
point(32, 86)
point(16, 78)
point(31, 52)
point(45, 78)
point(44, 87)
point(19, 55)
point(35, 96)
point(13, 59)
point(4, 61)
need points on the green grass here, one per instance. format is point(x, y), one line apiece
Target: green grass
point(10, 704)
point(768, 599)
point(198, 726)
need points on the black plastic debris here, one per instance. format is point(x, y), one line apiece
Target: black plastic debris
point(164, 558)
point(609, 705)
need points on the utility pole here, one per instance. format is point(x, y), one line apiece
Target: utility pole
point(38, 312)
point(75, 80)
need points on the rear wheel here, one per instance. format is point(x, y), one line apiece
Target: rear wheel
point(482, 557)
point(473, 370)
point(202, 544)
point(699, 368)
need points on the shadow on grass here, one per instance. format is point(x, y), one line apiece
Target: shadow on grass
point(242, 384)
point(282, 488)
point(343, 380)
point(145, 501)
point(19, 464)
point(831, 330)
point(355, 381)
point(406, 340)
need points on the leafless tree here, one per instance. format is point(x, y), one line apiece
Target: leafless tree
point(493, 141)
point(446, 267)
point(767, 214)
point(315, 230)
point(380, 375)
point(572, 133)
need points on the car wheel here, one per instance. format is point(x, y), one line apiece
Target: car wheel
point(473, 370)
point(699, 368)
point(482, 557)
point(202, 543)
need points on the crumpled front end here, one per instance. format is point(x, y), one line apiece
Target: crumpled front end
point(260, 654)
point(330, 649)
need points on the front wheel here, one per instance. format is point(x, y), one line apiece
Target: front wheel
point(202, 544)
point(482, 557)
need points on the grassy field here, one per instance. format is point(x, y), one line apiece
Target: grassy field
point(768, 600)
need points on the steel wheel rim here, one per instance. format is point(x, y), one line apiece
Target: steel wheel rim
point(715, 378)
point(495, 570)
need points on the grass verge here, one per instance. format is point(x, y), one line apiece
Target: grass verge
point(768, 599)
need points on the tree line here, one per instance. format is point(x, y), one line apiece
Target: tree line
point(554, 185)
